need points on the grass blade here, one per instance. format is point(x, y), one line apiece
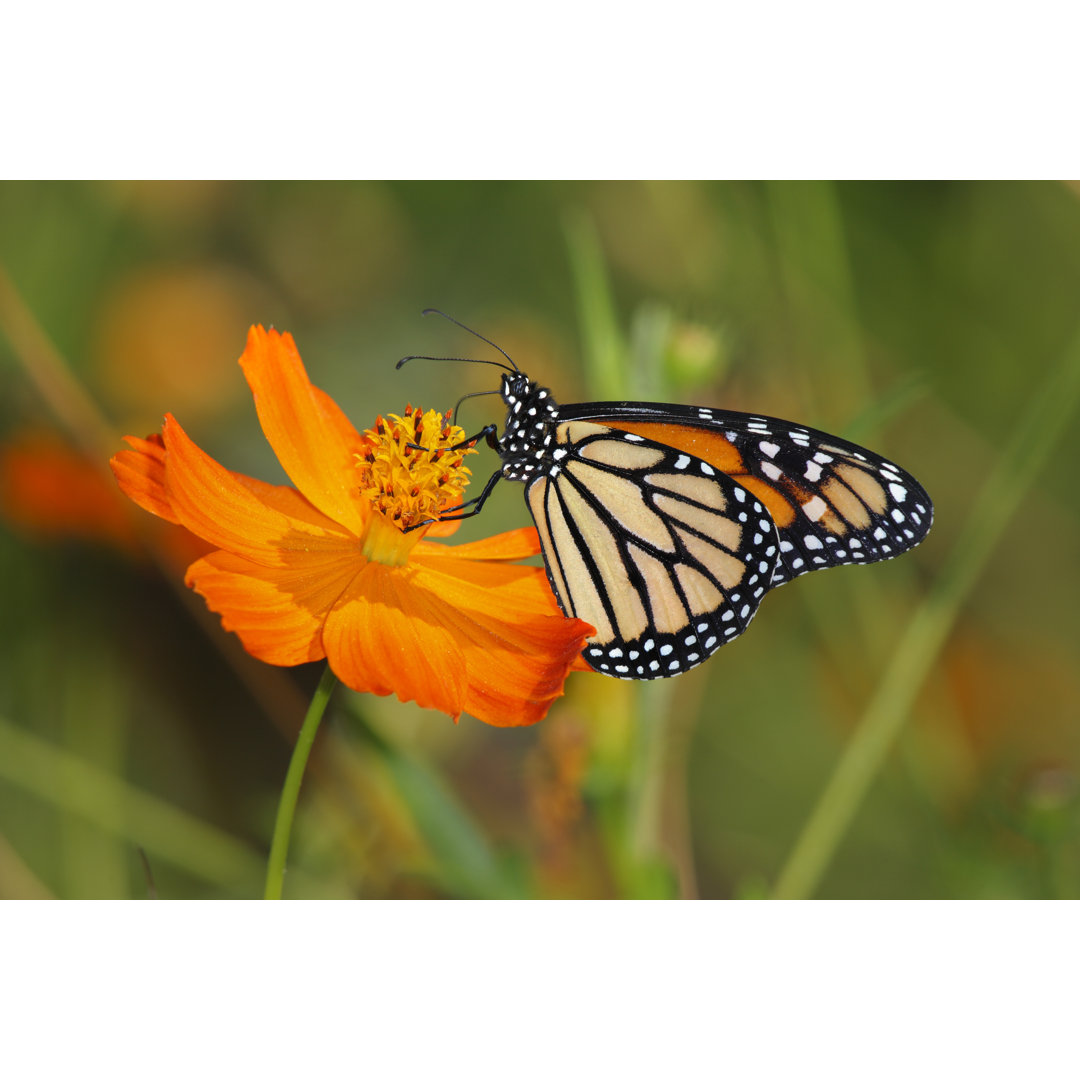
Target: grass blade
point(68, 782)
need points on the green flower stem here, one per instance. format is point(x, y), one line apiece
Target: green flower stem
point(1040, 427)
point(290, 792)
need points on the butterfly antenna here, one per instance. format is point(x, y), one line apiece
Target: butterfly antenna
point(465, 397)
point(452, 360)
point(469, 330)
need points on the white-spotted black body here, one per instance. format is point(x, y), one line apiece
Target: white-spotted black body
point(531, 416)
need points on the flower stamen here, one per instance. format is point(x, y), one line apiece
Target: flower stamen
point(406, 485)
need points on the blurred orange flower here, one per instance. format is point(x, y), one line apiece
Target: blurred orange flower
point(49, 490)
point(326, 569)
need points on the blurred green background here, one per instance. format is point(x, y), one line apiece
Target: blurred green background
point(142, 752)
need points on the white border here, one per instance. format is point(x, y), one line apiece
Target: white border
point(587, 90)
point(529, 989)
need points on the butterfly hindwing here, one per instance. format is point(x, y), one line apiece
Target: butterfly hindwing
point(666, 555)
point(833, 502)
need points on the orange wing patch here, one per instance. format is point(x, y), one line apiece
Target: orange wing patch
point(716, 449)
point(710, 446)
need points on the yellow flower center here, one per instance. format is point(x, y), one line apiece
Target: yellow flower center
point(408, 487)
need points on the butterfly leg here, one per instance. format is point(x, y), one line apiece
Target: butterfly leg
point(477, 505)
point(487, 433)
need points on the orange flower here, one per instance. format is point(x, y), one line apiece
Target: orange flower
point(325, 569)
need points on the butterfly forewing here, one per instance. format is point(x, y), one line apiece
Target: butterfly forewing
point(666, 555)
point(832, 502)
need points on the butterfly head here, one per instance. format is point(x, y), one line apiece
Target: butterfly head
point(531, 414)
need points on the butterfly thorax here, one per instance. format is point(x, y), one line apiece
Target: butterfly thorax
point(531, 416)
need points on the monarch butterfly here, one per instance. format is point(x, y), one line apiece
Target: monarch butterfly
point(665, 525)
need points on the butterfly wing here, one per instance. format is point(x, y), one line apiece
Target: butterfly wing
point(663, 553)
point(833, 502)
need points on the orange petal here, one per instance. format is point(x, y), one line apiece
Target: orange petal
point(140, 472)
point(386, 637)
point(456, 635)
point(241, 516)
point(276, 612)
point(443, 528)
point(516, 544)
point(312, 438)
point(518, 646)
point(490, 587)
point(288, 501)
